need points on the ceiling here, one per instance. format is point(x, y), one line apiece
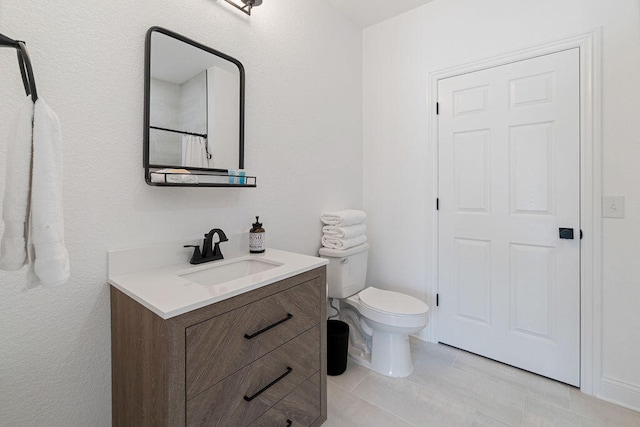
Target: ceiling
point(368, 12)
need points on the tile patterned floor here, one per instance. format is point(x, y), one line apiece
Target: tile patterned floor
point(450, 387)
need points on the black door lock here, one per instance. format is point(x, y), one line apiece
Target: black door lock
point(566, 233)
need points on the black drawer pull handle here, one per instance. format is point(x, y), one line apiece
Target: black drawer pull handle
point(289, 423)
point(263, 389)
point(255, 334)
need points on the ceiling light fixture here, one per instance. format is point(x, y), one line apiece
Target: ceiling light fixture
point(248, 5)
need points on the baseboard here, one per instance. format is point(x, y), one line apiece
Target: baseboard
point(620, 393)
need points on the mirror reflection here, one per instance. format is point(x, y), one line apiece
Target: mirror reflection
point(194, 105)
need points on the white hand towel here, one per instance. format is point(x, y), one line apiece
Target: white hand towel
point(346, 217)
point(13, 246)
point(50, 256)
point(173, 178)
point(337, 243)
point(346, 232)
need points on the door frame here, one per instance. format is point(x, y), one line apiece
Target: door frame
point(589, 44)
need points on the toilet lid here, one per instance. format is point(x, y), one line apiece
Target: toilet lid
point(392, 302)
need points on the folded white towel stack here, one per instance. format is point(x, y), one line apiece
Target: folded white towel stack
point(343, 229)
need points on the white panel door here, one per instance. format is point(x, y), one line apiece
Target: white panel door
point(509, 180)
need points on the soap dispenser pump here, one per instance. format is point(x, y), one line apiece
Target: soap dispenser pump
point(256, 238)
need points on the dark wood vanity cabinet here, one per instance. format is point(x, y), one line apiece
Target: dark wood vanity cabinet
point(255, 359)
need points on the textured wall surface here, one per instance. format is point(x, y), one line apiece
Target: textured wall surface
point(398, 56)
point(303, 141)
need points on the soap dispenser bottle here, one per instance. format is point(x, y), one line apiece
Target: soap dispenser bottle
point(256, 238)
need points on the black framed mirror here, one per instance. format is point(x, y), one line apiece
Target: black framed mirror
point(193, 112)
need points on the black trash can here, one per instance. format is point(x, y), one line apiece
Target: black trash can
point(337, 346)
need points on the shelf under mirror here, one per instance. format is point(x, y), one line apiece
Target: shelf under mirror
point(199, 178)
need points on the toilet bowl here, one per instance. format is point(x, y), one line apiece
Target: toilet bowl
point(380, 320)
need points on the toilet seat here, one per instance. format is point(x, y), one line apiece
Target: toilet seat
point(377, 305)
point(391, 302)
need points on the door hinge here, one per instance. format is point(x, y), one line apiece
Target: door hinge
point(580, 234)
point(438, 204)
point(437, 300)
point(437, 108)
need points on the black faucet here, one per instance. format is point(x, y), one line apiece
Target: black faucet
point(210, 250)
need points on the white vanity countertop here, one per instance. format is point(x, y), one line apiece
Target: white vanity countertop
point(162, 290)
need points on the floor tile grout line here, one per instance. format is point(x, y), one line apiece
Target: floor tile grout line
point(571, 402)
point(480, 377)
point(518, 384)
point(383, 409)
point(452, 398)
point(354, 395)
point(455, 359)
point(361, 380)
point(341, 387)
point(600, 421)
point(534, 397)
point(427, 390)
point(499, 420)
point(573, 412)
point(355, 386)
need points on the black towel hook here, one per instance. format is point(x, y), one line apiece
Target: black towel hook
point(22, 51)
point(24, 62)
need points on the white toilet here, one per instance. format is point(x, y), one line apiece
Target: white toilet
point(379, 321)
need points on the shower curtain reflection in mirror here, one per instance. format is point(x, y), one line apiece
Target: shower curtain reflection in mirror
point(194, 152)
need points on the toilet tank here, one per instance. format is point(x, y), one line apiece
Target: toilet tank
point(347, 270)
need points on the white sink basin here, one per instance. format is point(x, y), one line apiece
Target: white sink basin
point(226, 271)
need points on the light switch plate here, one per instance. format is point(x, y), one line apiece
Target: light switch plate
point(613, 207)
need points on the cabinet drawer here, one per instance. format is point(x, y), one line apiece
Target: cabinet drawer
point(220, 346)
point(299, 408)
point(244, 396)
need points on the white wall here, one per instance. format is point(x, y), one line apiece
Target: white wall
point(303, 141)
point(398, 184)
point(223, 122)
point(164, 111)
point(193, 104)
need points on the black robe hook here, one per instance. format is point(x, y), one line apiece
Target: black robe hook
point(6, 41)
point(24, 62)
point(23, 72)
